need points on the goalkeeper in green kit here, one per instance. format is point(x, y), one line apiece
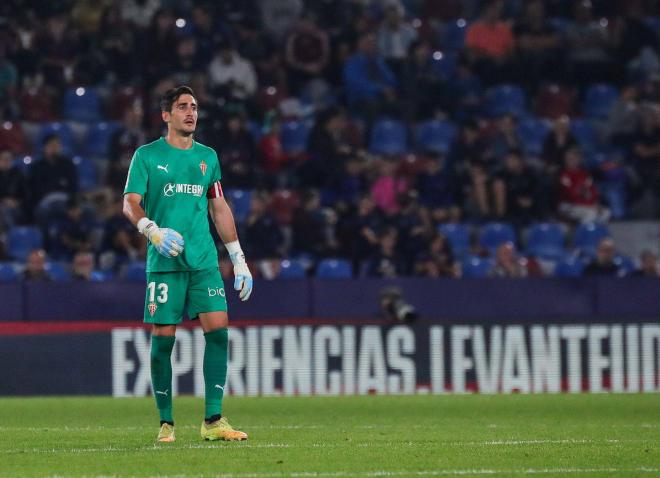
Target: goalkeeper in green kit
point(178, 182)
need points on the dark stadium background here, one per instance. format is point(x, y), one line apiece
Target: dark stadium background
point(379, 156)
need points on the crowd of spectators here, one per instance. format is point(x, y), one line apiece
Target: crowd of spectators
point(336, 68)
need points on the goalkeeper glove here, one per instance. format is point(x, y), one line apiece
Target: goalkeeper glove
point(242, 276)
point(167, 241)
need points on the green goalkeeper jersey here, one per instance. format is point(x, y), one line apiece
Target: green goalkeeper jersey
point(173, 184)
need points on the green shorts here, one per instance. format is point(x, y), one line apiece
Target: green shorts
point(169, 293)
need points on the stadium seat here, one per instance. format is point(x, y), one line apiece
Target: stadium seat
point(101, 276)
point(291, 269)
point(388, 137)
point(334, 269)
point(444, 64)
point(294, 136)
point(569, 266)
point(615, 194)
point(587, 237)
point(7, 272)
point(62, 131)
point(12, 137)
point(625, 263)
point(598, 100)
point(476, 267)
point(546, 241)
point(99, 135)
point(23, 239)
point(283, 204)
point(240, 202)
point(505, 99)
point(87, 173)
point(124, 98)
point(458, 236)
point(136, 271)
point(37, 104)
point(82, 104)
point(553, 101)
point(532, 133)
point(57, 271)
point(452, 37)
point(435, 136)
point(495, 233)
point(585, 134)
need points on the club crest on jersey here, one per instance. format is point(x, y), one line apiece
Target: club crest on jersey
point(152, 308)
point(202, 166)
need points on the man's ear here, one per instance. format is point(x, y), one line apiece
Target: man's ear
point(166, 115)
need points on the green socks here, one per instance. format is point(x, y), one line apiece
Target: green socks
point(161, 374)
point(215, 370)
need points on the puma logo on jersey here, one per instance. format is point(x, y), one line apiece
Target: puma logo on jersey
point(164, 168)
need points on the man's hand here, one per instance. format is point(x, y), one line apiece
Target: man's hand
point(167, 241)
point(242, 275)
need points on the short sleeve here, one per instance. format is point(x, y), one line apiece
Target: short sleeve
point(137, 175)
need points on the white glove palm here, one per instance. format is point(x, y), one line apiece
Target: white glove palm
point(167, 241)
point(242, 275)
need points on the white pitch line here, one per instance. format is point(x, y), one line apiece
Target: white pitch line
point(487, 443)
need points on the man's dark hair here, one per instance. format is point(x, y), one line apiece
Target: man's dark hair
point(170, 97)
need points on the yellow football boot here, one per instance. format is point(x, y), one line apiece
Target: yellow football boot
point(221, 430)
point(166, 433)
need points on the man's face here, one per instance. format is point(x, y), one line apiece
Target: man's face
point(606, 252)
point(36, 261)
point(5, 160)
point(183, 116)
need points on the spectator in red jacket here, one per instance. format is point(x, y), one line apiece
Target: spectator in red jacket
point(578, 196)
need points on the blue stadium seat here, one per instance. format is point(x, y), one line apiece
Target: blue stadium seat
point(616, 196)
point(546, 240)
point(452, 36)
point(82, 104)
point(87, 174)
point(97, 142)
point(101, 276)
point(599, 99)
point(334, 269)
point(585, 133)
point(533, 132)
point(62, 130)
point(240, 202)
point(23, 239)
point(294, 136)
point(57, 271)
point(444, 64)
point(569, 266)
point(291, 269)
point(136, 271)
point(388, 137)
point(587, 237)
point(458, 236)
point(505, 99)
point(476, 267)
point(7, 272)
point(625, 263)
point(495, 233)
point(436, 136)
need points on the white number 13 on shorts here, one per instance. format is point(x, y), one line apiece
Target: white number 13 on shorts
point(162, 289)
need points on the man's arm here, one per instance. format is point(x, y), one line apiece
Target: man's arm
point(167, 241)
point(224, 223)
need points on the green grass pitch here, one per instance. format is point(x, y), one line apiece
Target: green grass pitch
point(370, 436)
